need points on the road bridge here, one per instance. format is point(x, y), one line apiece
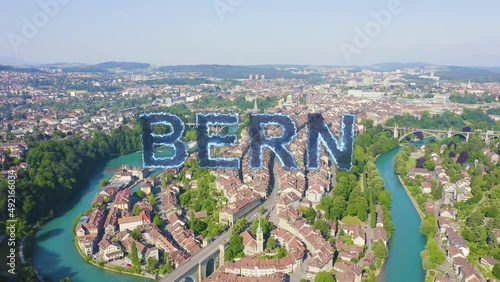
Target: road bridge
point(402, 132)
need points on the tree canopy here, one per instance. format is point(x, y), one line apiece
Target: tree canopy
point(324, 276)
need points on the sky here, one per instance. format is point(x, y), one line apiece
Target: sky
point(252, 32)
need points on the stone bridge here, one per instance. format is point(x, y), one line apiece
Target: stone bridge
point(402, 132)
point(202, 265)
point(216, 128)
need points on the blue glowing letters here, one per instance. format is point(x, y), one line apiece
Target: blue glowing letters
point(341, 153)
point(207, 140)
point(276, 144)
point(172, 139)
point(318, 132)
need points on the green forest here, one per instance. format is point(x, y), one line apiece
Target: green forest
point(58, 170)
point(472, 99)
point(476, 119)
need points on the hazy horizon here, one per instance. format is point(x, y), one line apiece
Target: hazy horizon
point(241, 32)
point(31, 63)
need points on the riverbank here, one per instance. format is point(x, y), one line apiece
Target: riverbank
point(415, 204)
point(53, 252)
point(23, 257)
point(105, 267)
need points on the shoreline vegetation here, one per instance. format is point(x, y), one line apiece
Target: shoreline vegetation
point(74, 168)
point(117, 269)
point(413, 201)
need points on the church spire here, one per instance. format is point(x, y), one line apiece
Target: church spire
point(260, 238)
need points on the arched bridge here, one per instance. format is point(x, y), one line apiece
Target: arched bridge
point(211, 257)
point(402, 132)
point(216, 128)
point(202, 264)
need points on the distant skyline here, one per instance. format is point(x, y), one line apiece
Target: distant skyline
point(251, 32)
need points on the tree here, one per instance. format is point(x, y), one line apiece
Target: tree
point(239, 226)
point(388, 224)
point(338, 208)
point(140, 194)
point(342, 188)
point(271, 243)
point(428, 226)
point(103, 182)
point(324, 276)
point(229, 255)
point(478, 234)
point(437, 190)
point(134, 256)
point(151, 265)
point(236, 247)
point(309, 214)
point(379, 250)
point(282, 252)
point(358, 206)
point(323, 227)
point(136, 233)
point(400, 161)
point(190, 135)
point(157, 220)
point(495, 193)
point(496, 270)
point(167, 267)
point(432, 256)
point(474, 220)
point(492, 211)
point(136, 210)
point(358, 159)
point(384, 199)
point(429, 164)
point(152, 199)
point(198, 226)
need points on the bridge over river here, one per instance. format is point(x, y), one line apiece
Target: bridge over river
point(402, 132)
point(211, 257)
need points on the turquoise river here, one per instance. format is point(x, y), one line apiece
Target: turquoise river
point(403, 263)
point(55, 255)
